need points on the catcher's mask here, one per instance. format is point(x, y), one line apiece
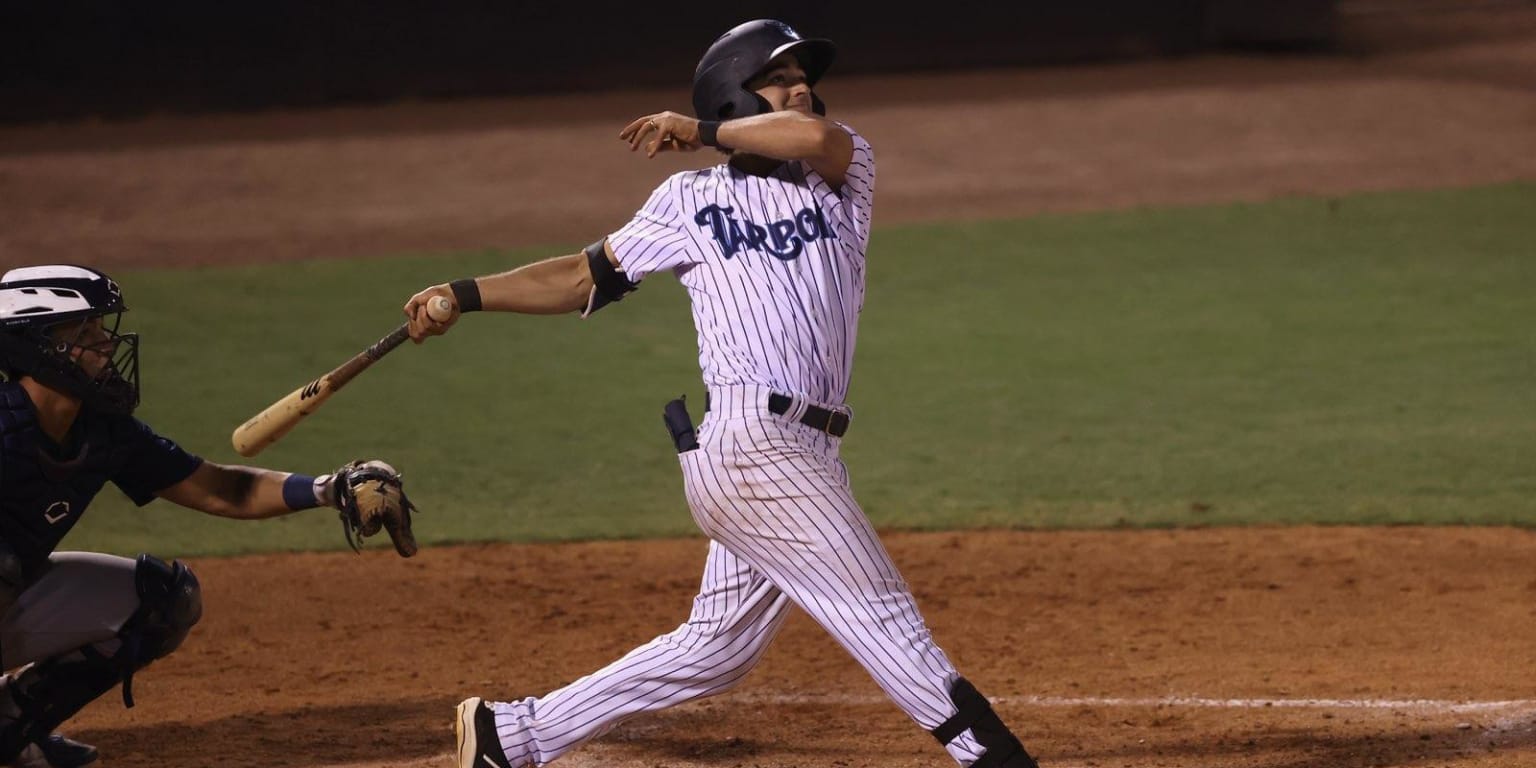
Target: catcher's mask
point(720, 81)
point(59, 324)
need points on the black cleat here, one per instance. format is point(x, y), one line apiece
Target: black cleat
point(475, 728)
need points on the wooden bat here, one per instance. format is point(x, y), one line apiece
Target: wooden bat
point(279, 418)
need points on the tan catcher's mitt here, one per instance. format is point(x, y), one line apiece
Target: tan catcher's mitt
point(371, 497)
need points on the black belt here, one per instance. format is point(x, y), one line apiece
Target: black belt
point(833, 423)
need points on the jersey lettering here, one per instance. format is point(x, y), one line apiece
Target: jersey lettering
point(783, 239)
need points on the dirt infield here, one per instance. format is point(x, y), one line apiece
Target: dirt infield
point(1282, 647)
point(1202, 648)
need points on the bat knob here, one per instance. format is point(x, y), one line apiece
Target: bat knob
point(440, 309)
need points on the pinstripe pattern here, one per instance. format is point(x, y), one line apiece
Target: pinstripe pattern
point(773, 314)
point(735, 616)
point(787, 324)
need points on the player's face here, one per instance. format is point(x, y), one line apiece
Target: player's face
point(91, 346)
point(783, 85)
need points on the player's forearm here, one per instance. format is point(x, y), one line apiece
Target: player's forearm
point(258, 494)
point(780, 135)
point(550, 287)
point(238, 492)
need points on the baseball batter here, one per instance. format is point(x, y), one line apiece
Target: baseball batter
point(75, 624)
point(771, 248)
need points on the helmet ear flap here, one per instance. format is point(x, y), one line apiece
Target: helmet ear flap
point(749, 104)
point(743, 103)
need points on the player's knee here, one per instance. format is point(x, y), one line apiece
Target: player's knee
point(727, 678)
point(1003, 749)
point(170, 604)
point(702, 642)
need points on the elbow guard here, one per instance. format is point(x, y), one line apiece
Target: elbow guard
point(608, 283)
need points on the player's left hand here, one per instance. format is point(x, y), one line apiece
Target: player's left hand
point(422, 323)
point(370, 497)
point(661, 132)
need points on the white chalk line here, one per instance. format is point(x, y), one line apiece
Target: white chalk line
point(1448, 706)
point(1521, 714)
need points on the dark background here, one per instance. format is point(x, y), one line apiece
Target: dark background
point(69, 59)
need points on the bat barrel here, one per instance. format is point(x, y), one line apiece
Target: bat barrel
point(279, 418)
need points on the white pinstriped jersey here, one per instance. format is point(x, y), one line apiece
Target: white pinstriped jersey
point(774, 267)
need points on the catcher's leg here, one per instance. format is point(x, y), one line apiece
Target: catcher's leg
point(87, 624)
point(790, 514)
point(735, 616)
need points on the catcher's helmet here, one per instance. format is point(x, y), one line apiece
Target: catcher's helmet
point(719, 82)
point(43, 311)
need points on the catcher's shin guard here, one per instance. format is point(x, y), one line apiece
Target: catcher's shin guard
point(42, 696)
point(1003, 748)
point(39, 697)
point(170, 603)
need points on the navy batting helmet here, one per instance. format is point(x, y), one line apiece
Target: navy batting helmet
point(719, 82)
point(43, 310)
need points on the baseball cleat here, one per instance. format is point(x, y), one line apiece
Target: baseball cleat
point(475, 730)
point(55, 751)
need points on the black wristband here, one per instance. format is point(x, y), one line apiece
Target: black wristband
point(709, 133)
point(466, 293)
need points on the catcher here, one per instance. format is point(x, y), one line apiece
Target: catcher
point(75, 624)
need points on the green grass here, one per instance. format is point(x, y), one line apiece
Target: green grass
point(1364, 360)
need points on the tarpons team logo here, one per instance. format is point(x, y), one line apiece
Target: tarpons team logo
point(783, 239)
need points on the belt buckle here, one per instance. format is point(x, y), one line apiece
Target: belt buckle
point(837, 425)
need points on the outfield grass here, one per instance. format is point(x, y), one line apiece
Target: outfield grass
point(1363, 360)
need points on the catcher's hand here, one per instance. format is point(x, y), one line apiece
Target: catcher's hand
point(370, 496)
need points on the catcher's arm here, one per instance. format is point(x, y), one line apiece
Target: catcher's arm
point(242, 493)
point(369, 497)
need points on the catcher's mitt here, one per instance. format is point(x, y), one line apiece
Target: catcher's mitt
point(370, 496)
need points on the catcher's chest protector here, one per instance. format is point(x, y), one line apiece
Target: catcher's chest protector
point(44, 488)
point(41, 496)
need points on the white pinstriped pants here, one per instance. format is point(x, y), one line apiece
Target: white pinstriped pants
point(774, 499)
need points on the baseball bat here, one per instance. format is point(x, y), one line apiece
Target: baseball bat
point(281, 417)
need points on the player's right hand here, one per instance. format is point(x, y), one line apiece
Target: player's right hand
point(661, 132)
point(421, 322)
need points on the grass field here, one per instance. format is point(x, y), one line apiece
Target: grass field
point(1368, 359)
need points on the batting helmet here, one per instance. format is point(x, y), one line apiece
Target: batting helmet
point(719, 82)
point(36, 302)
